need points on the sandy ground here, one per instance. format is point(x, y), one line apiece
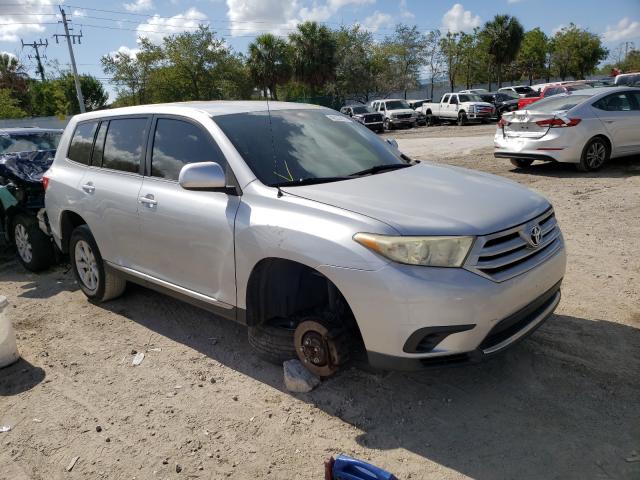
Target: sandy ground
point(561, 405)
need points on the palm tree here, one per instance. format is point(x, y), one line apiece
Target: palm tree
point(12, 74)
point(269, 62)
point(504, 34)
point(314, 48)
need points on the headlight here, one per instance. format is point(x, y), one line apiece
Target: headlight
point(472, 108)
point(427, 251)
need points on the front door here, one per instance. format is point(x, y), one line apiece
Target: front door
point(187, 236)
point(621, 117)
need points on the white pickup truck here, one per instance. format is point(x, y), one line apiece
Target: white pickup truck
point(461, 107)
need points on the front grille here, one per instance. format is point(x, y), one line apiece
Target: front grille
point(374, 118)
point(403, 115)
point(484, 110)
point(506, 254)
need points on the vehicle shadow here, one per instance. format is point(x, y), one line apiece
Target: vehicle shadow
point(615, 168)
point(562, 404)
point(19, 377)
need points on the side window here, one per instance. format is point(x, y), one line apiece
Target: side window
point(445, 99)
point(618, 102)
point(98, 147)
point(125, 144)
point(81, 142)
point(635, 100)
point(177, 143)
point(453, 100)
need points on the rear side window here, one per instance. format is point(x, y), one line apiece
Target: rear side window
point(618, 102)
point(124, 144)
point(98, 147)
point(177, 143)
point(81, 142)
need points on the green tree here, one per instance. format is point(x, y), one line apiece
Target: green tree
point(434, 59)
point(48, 98)
point(407, 47)
point(93, 92)
point(269, 62)
point(451, 51)
point(576, 52)
point(9, 106)
point(504, 34)
point(313, 51)
point(532, 57)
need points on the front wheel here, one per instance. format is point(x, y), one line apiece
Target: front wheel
point(521, 162)
point(594, 155)
point(96, 280)
point(35, 250)
point(386, 124)
point(462, 119)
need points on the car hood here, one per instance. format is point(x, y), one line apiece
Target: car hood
point(402, 110)
point(430, 199)
point(481, 104)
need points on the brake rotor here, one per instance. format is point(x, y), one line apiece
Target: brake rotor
point(320, 348)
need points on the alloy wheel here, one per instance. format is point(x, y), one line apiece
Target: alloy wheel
point(23, 244)
point(86, 265)
point(596, 155)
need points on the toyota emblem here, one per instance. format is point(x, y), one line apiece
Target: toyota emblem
point(535, 236)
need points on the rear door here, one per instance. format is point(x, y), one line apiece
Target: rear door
point(621, 117)
point(188, 235)
point(111, 185)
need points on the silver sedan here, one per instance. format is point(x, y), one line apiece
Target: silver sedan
point(587, 128)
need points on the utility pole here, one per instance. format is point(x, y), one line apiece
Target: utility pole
point(73, 60)
point(35, 46)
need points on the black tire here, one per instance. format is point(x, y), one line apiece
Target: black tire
point(594, 155)
point(109, 284)
point(521, 162)
point(272, 343)
point(33, 246)
point(386, 124)
point(462, 119)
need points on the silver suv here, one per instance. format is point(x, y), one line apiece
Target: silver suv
point(302, 224)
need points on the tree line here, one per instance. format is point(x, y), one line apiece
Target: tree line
point(314, 63)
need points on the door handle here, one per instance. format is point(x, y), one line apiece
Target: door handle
point(609, 121)
point(88, 187)
point(148, 201)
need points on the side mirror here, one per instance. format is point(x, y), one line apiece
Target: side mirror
point(392, 142)
point(202, 176)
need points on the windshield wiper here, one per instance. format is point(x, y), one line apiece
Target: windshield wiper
point(308, 181)
point(379, 168)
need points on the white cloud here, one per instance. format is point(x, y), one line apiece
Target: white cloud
point(138, 6)
point(281, 16)
point(457, 19)
point(18, 23)
point(626, 29)
point(377, 20)
point(513, 1)
point(8, 53)
point(124, 50)
point(404, 11)
point(156, 28)
point(79, 13)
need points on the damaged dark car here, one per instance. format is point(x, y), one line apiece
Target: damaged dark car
point(25, 154)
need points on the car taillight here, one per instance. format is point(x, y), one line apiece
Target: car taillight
point(45, 182)
point(558, 122)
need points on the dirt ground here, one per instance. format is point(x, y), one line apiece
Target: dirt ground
point(563, 404)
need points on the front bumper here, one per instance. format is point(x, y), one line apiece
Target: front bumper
point(402, 121)
point(393, 303)
point(374, 126)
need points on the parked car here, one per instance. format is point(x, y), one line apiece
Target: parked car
point(396, 113)
point(460, 107)
point(587, 127)
point(306, 227)
point(627, 79)
point(416, 105)
point(501, 102)
point(364, 115)
point(25, 154)
point(475, 90)
point(520, 90)
point(551, 90)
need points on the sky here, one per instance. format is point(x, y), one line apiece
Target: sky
point(116, 25)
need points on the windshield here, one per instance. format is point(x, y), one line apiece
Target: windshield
point(557, 103)
point(523, 89)
point(397, 105)
point(358, 110)
point(470, 97)
point(299, 145)
point(28, 142)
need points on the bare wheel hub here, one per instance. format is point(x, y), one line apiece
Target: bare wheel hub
point(320, 348)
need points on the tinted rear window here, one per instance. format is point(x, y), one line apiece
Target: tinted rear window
point(557, 103)
point(124, 144)
point(81, 143)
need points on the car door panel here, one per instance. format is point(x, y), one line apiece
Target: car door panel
point(621, 122)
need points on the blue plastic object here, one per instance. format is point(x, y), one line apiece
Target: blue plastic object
point(347, 468)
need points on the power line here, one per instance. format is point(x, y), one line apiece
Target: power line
point(36, 45)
